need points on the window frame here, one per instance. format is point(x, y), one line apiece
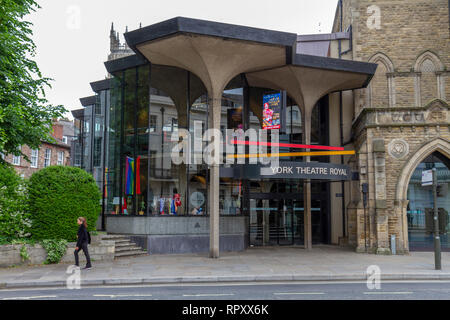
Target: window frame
point(49, 158)
point(36, 157)
point(60, 162)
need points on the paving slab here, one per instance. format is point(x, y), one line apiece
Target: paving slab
point(323, 263)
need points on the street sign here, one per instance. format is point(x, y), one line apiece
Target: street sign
point(427, 178)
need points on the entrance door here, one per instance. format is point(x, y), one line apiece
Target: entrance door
point(275, 220)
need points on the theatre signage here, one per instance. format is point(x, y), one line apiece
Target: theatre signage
point(289, 170)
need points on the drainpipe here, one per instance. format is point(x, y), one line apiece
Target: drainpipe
point(341, 129)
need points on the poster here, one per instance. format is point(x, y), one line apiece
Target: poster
point(272, 111)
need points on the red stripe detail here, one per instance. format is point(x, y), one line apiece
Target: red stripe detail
point(288, 145)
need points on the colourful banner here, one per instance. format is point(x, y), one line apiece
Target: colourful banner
point(138, 175)
point(129, 176)
point(271, 111)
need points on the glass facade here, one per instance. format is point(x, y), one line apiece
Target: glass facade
point(155, 110)
point(420, 207)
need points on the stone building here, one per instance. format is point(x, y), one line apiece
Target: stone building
point(116, 48)
point(400, 122)
point(49, 153)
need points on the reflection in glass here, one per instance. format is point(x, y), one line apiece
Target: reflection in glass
point(420, 206)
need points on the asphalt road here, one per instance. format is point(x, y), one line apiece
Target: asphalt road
point(417, 290)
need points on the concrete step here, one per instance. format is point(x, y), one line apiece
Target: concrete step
point(125, 244)
point(122, 241)
point(124, 247)
point(130, 249)
point(115, 237)
point(129, 253)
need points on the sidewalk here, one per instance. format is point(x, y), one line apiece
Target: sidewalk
point(323, 263)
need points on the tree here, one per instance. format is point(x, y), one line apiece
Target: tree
point(25, 115)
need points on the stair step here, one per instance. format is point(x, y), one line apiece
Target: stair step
point(115, 236)
point(122, 241)
point(129, 253)
point(125, 244)
point(133, 248)
point(124, 247)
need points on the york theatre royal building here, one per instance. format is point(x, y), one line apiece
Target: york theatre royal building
point(319, 139)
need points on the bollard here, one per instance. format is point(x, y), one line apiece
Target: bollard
point(393, 251)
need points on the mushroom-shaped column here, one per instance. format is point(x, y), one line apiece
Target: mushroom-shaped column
point(216, 53)
point(306, 80)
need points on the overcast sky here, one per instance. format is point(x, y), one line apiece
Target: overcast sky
point(72, 36)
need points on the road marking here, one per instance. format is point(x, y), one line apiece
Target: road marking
point(28, 298)
point(208, 295)
point(122, 295)
point(381, 292)
point(305, 293)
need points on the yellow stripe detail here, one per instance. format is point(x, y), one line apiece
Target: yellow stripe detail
point(292, 154)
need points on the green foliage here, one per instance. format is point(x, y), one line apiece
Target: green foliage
point(15, 221)
point(55, 250)
point(24, 254)
point(25, 116)
point(58, 195)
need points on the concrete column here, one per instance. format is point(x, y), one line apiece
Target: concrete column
point(266, 186)
point(307, 214)
point(307, 183)
point(215, 105)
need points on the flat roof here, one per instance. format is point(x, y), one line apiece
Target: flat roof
point(124, 63)
point(88, 101)
point(181, 25)
point(101, 85)
point(208, 28)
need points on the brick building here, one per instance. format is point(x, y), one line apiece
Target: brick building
point(49, 153)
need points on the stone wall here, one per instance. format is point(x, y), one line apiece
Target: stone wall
point(99, 250)
point(180, 234)
point(403, 116)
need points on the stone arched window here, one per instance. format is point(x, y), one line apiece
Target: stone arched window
point(429, 81)
point(381, 91)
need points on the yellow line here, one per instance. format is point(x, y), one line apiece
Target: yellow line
point(292, 154)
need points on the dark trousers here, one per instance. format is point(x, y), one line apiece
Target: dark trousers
point(84, 246)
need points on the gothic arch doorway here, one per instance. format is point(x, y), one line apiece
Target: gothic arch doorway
point(415, 202)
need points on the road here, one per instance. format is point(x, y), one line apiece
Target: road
point(405, 290)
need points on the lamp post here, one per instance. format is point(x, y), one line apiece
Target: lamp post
point(437, 239)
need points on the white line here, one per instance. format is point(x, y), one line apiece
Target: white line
point(303, 293)
point(208, 295)
point(27, 298)
point(122, 295)
point(381, 292)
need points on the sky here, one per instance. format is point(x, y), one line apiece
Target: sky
point(72, 36)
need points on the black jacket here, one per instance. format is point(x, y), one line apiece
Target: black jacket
point(82, 236)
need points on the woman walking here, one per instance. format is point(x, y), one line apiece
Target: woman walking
point(82, 243)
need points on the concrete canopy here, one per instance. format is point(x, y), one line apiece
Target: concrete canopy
point(308, 78)
point(215, 52)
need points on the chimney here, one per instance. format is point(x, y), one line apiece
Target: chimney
point(57, 131)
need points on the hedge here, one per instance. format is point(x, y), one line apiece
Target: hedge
point(58, 195)
point(14, 220)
